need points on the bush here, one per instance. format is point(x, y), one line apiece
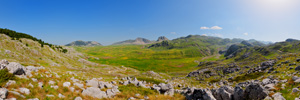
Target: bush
point(248, 76)
point(5, 76)
point(131, 89)
point(151, 80)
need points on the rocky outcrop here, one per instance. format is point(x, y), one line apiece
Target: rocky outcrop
point(95, 86)
point(255, 92)
point(162, 88)
point(162, 38)
point(94, 92)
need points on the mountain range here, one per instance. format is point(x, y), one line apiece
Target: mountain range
point(84, 43)
point(140, 41)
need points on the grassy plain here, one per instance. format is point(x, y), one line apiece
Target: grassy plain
point(140, 57)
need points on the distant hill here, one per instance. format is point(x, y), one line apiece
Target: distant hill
point(137, 41)
point(162, 38)
point(84, 43)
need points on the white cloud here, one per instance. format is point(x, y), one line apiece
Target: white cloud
point(204, 28)
point(212, 28)
point(246, 34)
point(216, 28)
point(204, 35)
point(173, 33)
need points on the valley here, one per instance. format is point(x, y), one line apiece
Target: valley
point(191, 67)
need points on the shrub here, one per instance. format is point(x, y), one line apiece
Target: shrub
point(5, 76)
point(248, 76)
point(151, 80)
point(131, 89)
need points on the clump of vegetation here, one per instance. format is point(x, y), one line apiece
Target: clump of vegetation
point(131, 90)
point(5, 76)
point(151, 80)
point(247, 77)
point(17, 35)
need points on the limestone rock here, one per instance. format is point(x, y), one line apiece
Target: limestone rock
point(255, 91)
point(94, 92)
point(15, 68)
point(3, 93)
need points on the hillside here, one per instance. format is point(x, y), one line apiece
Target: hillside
point(84, 43)
point(17, 35)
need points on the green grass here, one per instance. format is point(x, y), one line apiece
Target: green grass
point(131, 89)
point(151, 80)
point(248, 76)
point(144, 59)
point(5, 76)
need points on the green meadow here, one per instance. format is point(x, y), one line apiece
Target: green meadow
point(144, 59)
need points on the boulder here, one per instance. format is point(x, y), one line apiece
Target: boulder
point(200, 94)
point(238, 93)
point(66, 84)
point(298, 59)
point(4, 62)
point(51, 82)
point(93, 83)
point(94, 92)
point(224, 93)
point(79, 85)
point(166, 89)
point(255, 91)
point(40, 84)
point(295, 90)
point(78, 98)
point(3, 93)
point(270, 86)
point(278, 96)
point(10, 82)
point(297, 68)
point(146, 97)
point(24, 91)
point(61, 96)
point(15, 68)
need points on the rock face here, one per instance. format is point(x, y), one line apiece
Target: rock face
point(232, 50)
point(94, 92)
point(255, 92)
point(84, 43)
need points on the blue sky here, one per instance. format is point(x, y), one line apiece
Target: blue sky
point(109, 21)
